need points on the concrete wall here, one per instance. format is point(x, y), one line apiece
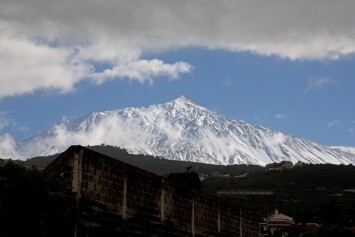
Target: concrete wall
point(116, 199)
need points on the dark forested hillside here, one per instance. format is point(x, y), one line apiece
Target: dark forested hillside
point(157, 165)
point(312, 193)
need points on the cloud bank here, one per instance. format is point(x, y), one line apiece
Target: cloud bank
point(111, 130)
point(52, 45)
point(8, 147)
point(27, 66)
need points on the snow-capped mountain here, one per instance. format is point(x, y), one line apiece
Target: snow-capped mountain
point(183, 130)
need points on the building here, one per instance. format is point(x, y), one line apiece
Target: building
point(280, 166)
point(278, 223)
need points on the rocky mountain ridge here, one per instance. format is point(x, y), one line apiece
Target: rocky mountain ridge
point(182, 130)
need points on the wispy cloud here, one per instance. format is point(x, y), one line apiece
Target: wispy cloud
point(314, 84)
point(8, 124)
point(352, 128)
point(228, 83)
point(5, 121)
point(281, 116)
point(143, 70)
point(334, 123)
point(57, 44)
point(258, 119)
point(347, 127)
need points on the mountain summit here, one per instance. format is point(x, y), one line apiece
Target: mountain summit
point(182, 130)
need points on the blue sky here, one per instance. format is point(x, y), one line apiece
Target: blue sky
point(289, 67)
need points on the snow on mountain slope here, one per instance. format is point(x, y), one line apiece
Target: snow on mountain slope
point(350, 149)
point(182, 130)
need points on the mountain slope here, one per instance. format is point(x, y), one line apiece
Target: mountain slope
point(182, 130)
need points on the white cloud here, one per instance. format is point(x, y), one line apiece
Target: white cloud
point(228, 83)
point(352, 128)
point(5, 121)
point(8, 146)
point(53, 45)
point(142, 70)
point(281, 116)
point(319, 83)
point(334, 123)
point(276, 139)
point(26, 66)
point(112, 130)
point(347, 127)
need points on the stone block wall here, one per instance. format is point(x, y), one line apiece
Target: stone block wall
point(116, 199)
